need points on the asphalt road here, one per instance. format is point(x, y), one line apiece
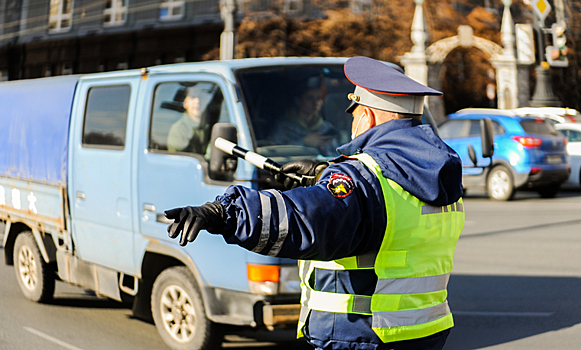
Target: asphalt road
point(516, 281)
point(516, 285)
point(79, 320)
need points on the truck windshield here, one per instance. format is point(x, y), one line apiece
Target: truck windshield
point(297, 111)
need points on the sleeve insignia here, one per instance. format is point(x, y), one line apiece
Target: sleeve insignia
point(340, 185)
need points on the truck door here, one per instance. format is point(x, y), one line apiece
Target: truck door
point(176, 117)
point(101, 171)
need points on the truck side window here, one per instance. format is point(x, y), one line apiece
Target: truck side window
point(106, 112)
point(183, 114)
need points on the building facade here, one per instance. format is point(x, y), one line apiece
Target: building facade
point(41, 38)
point(54, 37)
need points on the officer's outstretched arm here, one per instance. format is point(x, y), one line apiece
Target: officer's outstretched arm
point(300, 167)
point(189, 221)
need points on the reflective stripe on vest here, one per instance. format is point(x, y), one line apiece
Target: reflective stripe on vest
point(425, 284)
point(413, 267)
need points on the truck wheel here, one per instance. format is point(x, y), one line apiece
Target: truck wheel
point(549, 191)
point(179, 314)
point(35, 277)
point(499, 184)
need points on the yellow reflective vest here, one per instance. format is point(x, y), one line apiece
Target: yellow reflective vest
point(412, 265)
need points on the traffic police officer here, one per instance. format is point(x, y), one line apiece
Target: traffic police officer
point(375, 234)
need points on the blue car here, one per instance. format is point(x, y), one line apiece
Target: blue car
point(529, 153)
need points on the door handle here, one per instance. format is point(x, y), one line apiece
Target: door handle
point(149, 207)
point(80, 195)
point(158, 217)
point(162, 219)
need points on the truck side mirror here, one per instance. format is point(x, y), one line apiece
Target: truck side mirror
point(222, 165)
point(487, 137)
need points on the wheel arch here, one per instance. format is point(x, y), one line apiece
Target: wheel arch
point(13, 230)
point(43, 241)
point(157, 258)
point(506, 164)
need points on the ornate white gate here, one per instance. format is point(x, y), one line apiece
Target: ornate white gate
point(502, 59)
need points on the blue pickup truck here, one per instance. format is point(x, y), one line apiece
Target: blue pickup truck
point(88, 164)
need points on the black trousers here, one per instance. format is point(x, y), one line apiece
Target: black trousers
point(433, 342)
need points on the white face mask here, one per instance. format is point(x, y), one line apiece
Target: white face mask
point(354, 134)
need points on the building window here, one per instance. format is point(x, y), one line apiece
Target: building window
point(293, 6)
point(360, 6)
point(170, 10)
point(115, 12)
point(60, 15)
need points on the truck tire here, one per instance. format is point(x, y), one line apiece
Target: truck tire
point(499, 184)
point(179, 314)
point(35, 277)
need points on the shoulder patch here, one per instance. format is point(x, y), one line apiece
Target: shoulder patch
point(340, 185)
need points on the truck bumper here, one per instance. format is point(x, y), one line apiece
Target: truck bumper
point(246, 309)
point(280, 316)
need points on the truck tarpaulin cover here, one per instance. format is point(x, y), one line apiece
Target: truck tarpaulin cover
point(35, 116)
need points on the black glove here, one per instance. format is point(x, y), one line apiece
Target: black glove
point(307, 167)
point(191, 220)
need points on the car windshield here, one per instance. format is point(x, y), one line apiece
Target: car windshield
point(538, 126)
point(297, 111)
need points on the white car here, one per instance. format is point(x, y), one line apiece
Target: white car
point(555, 114)
point(573, 133)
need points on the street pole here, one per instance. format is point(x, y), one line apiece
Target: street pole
point(227, 11)
point(543, 95)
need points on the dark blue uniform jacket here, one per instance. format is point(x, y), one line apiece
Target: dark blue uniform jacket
point(322, 226)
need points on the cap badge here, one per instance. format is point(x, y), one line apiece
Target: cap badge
point(353, 97)
point(340, 185)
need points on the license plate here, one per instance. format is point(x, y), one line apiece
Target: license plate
point(554, 159)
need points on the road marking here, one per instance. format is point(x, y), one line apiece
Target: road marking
point(52, 339)
point(500, 313)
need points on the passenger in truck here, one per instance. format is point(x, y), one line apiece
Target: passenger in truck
point(188, 133)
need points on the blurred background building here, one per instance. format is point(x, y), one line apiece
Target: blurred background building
point(54, 37)
point(41, 38)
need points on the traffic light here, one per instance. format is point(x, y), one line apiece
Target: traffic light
point(556, 54)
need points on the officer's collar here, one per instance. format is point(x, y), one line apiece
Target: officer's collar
point(371, 135)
